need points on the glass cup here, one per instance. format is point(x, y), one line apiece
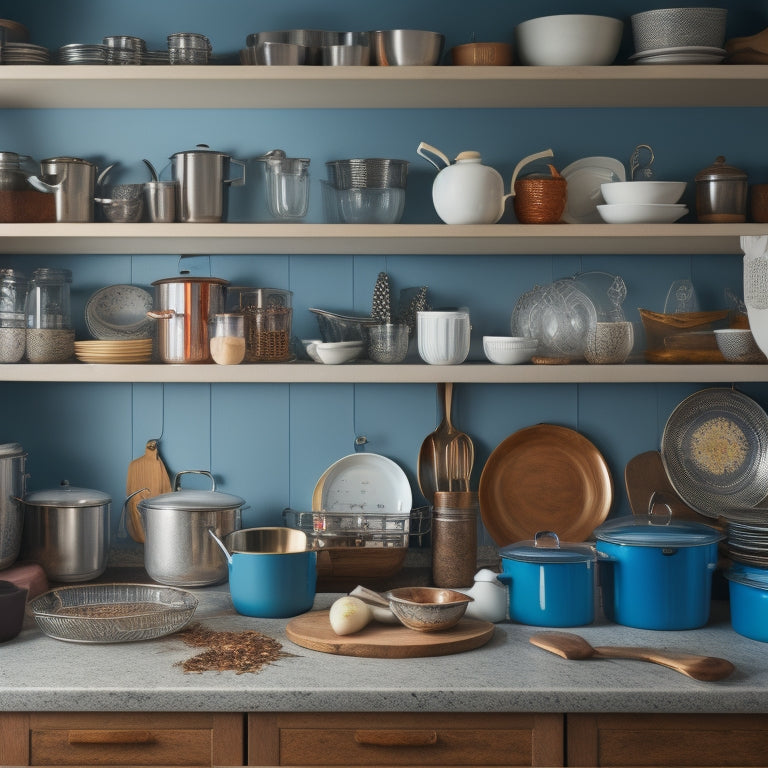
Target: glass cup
point(287, 187)
point(387, 343)
point(227, 338)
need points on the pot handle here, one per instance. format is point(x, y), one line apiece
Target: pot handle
point(424, 147)
point(162, 314)
point(524, 162)
point(541, 535)
point(122, 530)
point(654, 518)
point(240, 181)
point(221, 544)
point(177, 477)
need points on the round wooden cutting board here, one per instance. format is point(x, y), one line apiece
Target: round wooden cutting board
point(386, 641)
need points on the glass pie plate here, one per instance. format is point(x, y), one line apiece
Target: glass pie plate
point(112, 613)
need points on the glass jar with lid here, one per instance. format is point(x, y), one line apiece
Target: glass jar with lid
point(13, 294)
point(49, 337)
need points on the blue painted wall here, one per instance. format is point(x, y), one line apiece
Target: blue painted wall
point(270, 443)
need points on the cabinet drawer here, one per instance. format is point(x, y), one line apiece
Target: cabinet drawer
point(378, 739)
point(134, 739)
point(667, 740)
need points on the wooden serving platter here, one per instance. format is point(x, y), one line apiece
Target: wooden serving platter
point(386, 641)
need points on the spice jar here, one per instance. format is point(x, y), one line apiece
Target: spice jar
point(227, 335)
point(454, 538)
point(721, 194)
point(13, 294)
point(267, 325)
point(50, 337)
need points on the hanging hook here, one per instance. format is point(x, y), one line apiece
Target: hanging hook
point(360, 443)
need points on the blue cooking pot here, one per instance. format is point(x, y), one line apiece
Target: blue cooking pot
point(748, 590)
point(272, 574)
point(550, 584)
point(660, 571)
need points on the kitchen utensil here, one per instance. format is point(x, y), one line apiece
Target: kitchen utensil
point(715, 452)
point(748, 593)
point(152, 170)
point(368, 173)
point(643, 192)
point(509, 350)
point(112, 613)
point(482, 55)
point(678, 27)
point(551, 584)
point(540, 198)
point(177, 548)
point(637, 213)
point(468, 192)
point(182, 308)
point(67, 531)
point(568, 40)
point(446, 456)
point(544, 477)
point(147, 474)
point(443, 337)
point(73, 182)
point(335, 352)
point(203, 178)
point(570, 646)
point(406, 47)
point(428, 609)
point(13, 477)
point(188, 48)
point(272, 573)
point(13, 601)
point(585, 178)
point(313, 630)
point(119, 312)
point(334, 326)
point(658, 572)
point(287, 187)
point(721, 194)
point(366, 205)
point(738, 345)
point(345, 55)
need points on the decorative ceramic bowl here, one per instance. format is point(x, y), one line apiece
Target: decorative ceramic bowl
point(679, 28)
point(509, 350)
point(609, 343)
point(738, 345)
point(643, 192)
point(428, 609)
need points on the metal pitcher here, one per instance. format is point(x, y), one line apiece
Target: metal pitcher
point(73, 182)
point(203, 177)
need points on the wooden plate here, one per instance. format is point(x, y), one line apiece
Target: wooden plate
point(544, 478)
point(386, 641)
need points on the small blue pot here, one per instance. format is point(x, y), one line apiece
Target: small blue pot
point(549, 585)
point(748, 591)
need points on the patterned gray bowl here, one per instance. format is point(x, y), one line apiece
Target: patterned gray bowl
point(428, 609)
point(678, 27)
point(738, 345)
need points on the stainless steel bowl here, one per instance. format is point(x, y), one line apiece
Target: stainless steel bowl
point(406, 47)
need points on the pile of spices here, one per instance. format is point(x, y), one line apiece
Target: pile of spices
point(719, 446)
point(246, 651)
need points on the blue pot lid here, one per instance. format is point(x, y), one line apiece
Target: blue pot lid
point(546, 547)
point(644, 532)
point(747, 578)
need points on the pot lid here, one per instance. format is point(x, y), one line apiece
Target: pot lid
point(11, 449)
point(636, 530)
point(719, 171)
point(546, 547)
point(747, 578)
point(200, 149)
point(190, 279)
point(192, 500)
point(67, 495)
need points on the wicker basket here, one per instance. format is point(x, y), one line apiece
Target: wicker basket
point(540, 200)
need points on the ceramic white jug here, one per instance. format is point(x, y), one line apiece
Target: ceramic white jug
point(468, 192)
point(489, 597)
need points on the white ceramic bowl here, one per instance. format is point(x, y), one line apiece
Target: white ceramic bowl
point(509, 350)
point(568, 40)
point(643, 192)
point(631, 213)
point(336, 352)
point(738, 345)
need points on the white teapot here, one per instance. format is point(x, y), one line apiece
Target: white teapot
point(489, 597)
point(468, 192)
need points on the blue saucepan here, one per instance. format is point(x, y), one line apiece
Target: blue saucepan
point(748, 591)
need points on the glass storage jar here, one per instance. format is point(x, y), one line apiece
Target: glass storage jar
point(268, 316)
point(227, 338)
point(13, 294)
point(50, 337)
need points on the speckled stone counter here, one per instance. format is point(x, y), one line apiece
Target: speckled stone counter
point(508, 674)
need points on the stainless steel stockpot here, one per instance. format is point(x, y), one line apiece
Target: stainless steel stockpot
point(183, 306)
point(178, 550)
point(67, 531)
point(12, 481)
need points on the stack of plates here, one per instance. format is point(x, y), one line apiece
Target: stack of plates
point(79, 53)
point(642, 213)
point(690, 54)
point(748, 543)
point(25, 53)
point(131, 351)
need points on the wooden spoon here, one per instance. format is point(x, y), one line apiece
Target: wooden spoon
point(570, 646)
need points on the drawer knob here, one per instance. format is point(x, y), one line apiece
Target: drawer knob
point(380, 738)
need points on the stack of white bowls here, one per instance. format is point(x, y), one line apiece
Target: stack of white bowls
point(642, 202)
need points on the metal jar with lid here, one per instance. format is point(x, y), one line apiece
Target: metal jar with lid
point(178, 550)
point(67, 531)
point(721, 194)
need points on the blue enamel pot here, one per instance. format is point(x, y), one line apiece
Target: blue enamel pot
point(272, 575)
point(550, 585)
point(659, 574)
point(748, 591)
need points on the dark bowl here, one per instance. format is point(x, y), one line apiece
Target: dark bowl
point(13, 601)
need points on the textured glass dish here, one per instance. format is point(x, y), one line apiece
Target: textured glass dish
point(112, 613)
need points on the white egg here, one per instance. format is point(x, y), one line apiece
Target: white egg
point(349, 615)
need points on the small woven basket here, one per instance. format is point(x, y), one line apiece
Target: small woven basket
point(540, 200)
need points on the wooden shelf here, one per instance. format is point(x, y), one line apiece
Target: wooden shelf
point(371, 373)
point(106, 238)
point(239, 87)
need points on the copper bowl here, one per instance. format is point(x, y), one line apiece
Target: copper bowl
point(428, 609)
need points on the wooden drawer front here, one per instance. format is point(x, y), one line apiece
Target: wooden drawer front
point(416, 739)
point(159, 739)
point(667, 740)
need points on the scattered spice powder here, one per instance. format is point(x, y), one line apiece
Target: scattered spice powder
point(719, 446)
point(245, 651)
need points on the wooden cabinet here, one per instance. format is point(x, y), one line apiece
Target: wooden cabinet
point(387, 739)
point(667, 740)
point(122, 739)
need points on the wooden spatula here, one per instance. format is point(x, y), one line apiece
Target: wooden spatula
point(148, 471)
point(570, 646)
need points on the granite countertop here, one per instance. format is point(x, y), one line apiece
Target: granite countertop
point(508, 674)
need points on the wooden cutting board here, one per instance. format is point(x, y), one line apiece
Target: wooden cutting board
point(386, 641)
point(148, 471)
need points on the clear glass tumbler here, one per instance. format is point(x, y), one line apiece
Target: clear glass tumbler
point(388, 343)
point(227, 338)
point(287, 185)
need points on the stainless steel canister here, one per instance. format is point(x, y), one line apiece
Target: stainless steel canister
point(203, 178)
point(178, 550)
point(183, 306)
point(721, 194)
point(67, 531)
point(12, 479)
point(73, 182)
